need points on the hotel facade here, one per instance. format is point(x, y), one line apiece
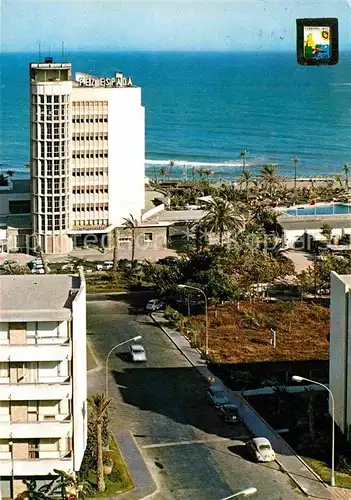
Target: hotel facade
point(87, 153)
point(43, 389)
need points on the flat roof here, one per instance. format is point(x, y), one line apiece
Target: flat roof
point(179, 215)
point(36, 297)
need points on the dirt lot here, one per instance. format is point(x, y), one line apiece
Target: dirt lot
point(244, 335)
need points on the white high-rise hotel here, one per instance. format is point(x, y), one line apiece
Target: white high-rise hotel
point(87, 140)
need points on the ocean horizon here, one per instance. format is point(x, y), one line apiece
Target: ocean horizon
point(204, 108)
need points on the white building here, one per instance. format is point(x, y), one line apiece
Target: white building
point(43, 390)
point(87, 154)
point(340, 350)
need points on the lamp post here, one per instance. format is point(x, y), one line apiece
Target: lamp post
point(297, 378)
point(206, 323)
point(138, 337)
point(245, 493)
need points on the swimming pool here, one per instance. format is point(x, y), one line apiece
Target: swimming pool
point(331, 209)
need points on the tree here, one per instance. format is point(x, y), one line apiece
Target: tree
point(131, 223)
point(208, 173)
point(98, 405)
point(270, 178)
point(326, 231)
point(243, 156)
point(115, 253)
point(222, 216)
point(346, 170)
point(73, 485)
point(296, 161)
point(163, 172)
point(245, 179)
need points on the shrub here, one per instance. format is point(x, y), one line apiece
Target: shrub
point(343, 465)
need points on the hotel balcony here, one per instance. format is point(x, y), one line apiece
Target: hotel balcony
point(36, 467)
point(56, 350)
point(37, 429)
point(57, 388)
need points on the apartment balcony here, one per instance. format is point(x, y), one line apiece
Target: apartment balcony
point(38, 429)
point(42, 466)
point(57, 388)
point(50, 350)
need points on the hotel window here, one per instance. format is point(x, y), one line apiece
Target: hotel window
point(49, 130)
point(49, 204)
point(56, 109)
point(63, 204)
point(56, 167)
point(57, 226)
point(148, 237)
point(56, 203)
point(49, 98)
point(49, 149)
point(63, 185)
point(4, 370)
point(63, 221)
point(56, 98)
point(32, 411)
point(41, 98)
point(49, 167)
point(33, 449)
point(56, 186)
point(49, 186)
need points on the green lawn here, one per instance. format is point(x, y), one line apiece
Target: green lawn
point(119, 480)
point(322, 469)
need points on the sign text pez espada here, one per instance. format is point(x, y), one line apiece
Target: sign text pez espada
point(105, 82)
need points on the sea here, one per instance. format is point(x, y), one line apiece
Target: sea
point(204, 108)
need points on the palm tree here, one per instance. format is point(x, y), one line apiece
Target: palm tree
point(245, 178)
point(243, 156)
point(72, 485)
point(131, 223)
point(171, 165)
point(208, 173)
point(296, 161)
point(337, 178)
point(98, 405)
point(346, 170)
point(163, 172)
point(222, 216)
point(270, 178)
point(200, 172)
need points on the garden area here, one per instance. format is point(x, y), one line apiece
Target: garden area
point(241, 332)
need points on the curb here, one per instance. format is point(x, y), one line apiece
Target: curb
point(98, 366)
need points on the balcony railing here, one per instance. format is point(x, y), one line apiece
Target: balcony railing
point(60, 388)
point(36, 429)
point(39, 342)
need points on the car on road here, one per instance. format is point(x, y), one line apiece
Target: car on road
point(230, 414)
point(216, 395)
point(168, 261)
point(154, 305)
point(137, 353)
point(261, 449)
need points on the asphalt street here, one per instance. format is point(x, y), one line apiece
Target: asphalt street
point(191, 453)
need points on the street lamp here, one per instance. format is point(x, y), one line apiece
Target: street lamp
point(245, 493)
point(297, 378)
point(206, 323)
point(138, 337)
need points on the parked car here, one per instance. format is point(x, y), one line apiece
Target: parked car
point(137, 353)
point(260, 449)
point(216, 395)
point(230, 414)
point(168, 261)
point(154, 305)
point(105, 266)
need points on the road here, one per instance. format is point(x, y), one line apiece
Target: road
point(191, 453)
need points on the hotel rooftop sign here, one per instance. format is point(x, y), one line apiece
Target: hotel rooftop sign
point(85, 80)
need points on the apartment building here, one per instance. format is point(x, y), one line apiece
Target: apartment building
point(87, 152)
point(43, 413)
point(340, 350)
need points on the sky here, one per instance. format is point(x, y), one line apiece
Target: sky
point(164, 25)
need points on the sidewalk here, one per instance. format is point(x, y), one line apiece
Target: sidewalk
point(299, 472)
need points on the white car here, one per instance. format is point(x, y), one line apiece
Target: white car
point(154, 305)
point(105, 266)
point(261, 449)
point(137, 353)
